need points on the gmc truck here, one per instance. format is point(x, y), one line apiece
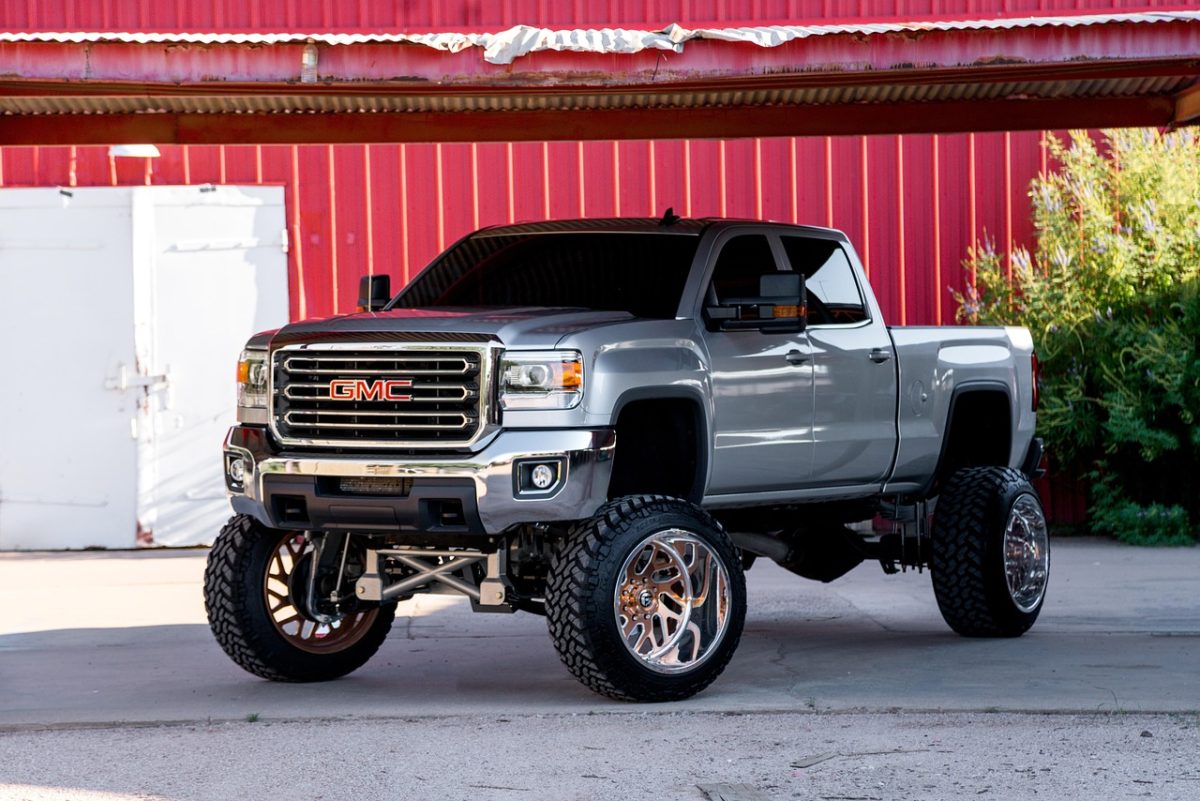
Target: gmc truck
point(606, 422)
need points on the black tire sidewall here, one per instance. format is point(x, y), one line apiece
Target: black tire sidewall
point(258, 646)
point(632, 678)
point(968, 530)
point(258, 562)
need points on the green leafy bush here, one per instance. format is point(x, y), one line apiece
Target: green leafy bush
point(1111, 293)
point(1137, 524)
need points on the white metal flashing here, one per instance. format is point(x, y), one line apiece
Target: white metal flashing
point(504, 47)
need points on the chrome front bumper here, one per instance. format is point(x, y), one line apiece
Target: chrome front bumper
point(483, 485)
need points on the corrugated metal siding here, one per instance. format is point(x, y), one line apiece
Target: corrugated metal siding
point(431, 15)
point(911, 204)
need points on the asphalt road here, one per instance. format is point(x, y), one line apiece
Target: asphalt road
point(111, 687)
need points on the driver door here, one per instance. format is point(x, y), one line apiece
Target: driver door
point(762, 382)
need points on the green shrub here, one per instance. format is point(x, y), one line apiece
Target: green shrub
point(1137, 524)
point(1111, 294)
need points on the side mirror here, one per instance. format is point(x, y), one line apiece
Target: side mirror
point(374, 292)
point(781, 307)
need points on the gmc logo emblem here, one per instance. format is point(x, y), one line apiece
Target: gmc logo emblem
point(360, 389)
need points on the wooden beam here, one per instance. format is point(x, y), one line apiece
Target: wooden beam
point(1187, 106)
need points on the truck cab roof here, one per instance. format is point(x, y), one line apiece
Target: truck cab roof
point(633, 225)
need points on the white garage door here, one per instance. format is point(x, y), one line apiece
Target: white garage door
point(122, 311)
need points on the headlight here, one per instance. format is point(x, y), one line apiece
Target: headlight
point(543, 379)
point(252, 371)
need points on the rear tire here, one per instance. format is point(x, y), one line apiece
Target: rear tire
point(646, 601)
point(255, 620)
point(991, 554)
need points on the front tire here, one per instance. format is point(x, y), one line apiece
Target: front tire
point(247, 594)
point(991, 553)
point(646, 601)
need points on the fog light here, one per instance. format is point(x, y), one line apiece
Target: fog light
point(538, 477)
point(542, 476)
point(237, 471)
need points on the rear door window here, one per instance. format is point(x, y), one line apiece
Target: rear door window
point(833, 294)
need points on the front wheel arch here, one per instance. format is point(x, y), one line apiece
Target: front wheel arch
point(662, 446)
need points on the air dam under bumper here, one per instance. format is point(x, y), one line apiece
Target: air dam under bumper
point(476, 493)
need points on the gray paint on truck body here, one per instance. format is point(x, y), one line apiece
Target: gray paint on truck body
point(838, 425)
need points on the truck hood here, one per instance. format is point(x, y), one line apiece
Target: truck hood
point(533, 327)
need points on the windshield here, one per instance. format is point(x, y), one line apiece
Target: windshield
point(641, 273)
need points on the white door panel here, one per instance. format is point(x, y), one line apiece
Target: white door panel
point(122, 311)
point(67, 453)
point(218, 273)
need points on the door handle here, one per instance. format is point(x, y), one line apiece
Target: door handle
point(127, 378)
point(795, 357)
point(879, 355)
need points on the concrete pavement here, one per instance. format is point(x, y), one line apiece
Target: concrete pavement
point(97, 638)
point(107, 657)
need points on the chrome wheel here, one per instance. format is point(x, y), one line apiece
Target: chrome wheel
point(300, 631)
point(1026, 553)
point(672, 601)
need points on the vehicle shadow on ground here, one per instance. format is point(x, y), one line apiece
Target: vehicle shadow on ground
point(178, 673)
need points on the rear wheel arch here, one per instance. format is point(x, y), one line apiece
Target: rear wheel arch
point(978, 431)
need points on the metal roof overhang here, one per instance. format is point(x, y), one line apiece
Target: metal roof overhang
point(295, 88)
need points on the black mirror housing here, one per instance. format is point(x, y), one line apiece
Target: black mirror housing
point(787, 287)
point(374, 292)
point(781, 307)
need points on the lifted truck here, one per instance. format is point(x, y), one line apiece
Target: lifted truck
point(605, 422)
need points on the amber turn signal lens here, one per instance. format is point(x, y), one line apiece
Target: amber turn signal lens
point(572, 375)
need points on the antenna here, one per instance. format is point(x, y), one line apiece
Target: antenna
point(669, 217)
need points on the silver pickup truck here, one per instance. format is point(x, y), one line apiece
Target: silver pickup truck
point(606, 422)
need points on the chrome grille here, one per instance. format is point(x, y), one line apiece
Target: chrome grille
point(400, 398)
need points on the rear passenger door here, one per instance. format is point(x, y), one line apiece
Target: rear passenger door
point(761, 382)
point(854, 372)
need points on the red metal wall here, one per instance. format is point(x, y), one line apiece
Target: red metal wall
point(911, 204)
point(468, 15)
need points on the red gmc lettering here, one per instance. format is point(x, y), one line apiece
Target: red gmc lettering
point(360, 389)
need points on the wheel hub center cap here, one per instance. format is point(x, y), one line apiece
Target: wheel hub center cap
point(646, 599)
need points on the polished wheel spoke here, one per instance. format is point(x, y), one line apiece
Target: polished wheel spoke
point(660, 601)
point(1026, 553)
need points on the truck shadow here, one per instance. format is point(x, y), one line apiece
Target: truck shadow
point(178, 673)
